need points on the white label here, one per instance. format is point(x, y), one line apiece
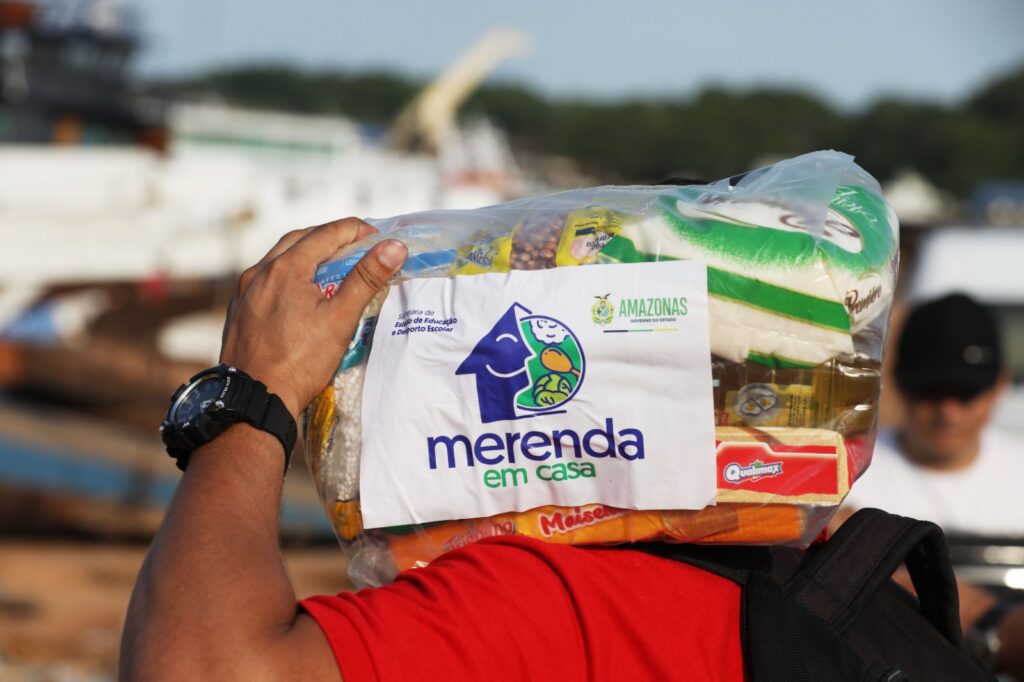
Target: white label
point(504, 392)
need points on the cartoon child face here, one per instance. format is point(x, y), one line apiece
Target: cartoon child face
point(502, 352)
point(499, 363)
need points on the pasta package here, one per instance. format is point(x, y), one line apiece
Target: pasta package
point(612, 365)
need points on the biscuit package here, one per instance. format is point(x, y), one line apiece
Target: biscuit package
point(711, 375)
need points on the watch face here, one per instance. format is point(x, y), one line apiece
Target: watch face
point(197, 398)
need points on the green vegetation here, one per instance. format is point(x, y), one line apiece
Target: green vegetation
point(712, 135)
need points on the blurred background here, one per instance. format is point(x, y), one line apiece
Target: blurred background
point(150, 151)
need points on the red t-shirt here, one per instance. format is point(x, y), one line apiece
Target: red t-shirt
point(512, 608)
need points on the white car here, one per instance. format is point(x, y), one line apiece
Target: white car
point(988, 265)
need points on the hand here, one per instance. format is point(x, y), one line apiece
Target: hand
point(282, 331)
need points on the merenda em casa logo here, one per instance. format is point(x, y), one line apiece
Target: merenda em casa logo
point(525, 366)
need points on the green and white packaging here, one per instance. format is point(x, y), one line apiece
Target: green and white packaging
point(791, 278)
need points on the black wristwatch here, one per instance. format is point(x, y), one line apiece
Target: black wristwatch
point(215, 399)
point(983, 638)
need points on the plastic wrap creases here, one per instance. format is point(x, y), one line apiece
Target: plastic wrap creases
point(800, 260)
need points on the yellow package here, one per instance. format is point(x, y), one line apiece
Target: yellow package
point(492, 255)
point(347, 519)
point(769, 405)
point(585, 233)
point(321, 418)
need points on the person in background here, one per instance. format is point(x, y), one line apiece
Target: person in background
point(946, 463)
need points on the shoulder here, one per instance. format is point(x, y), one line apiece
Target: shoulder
point(1002, 450)
point(474, 611)
point(1002, 443)
point(885, 477)
point(888, 458)
point(887, 444)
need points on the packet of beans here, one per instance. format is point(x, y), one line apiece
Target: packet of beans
point(711, 376)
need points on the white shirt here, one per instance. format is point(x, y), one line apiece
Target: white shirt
point(986, 498)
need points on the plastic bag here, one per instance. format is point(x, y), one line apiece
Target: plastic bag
point(801, 264)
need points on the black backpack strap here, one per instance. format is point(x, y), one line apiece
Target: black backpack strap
point(731, 562)
point(839, 578)
point(782, 639)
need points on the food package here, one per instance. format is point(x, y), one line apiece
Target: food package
point(753, 417)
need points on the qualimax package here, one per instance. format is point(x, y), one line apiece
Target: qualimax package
point(710, 375)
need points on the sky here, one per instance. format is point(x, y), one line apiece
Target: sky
point(850, 53)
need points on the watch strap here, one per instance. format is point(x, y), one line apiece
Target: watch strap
point(248, 402)
point(263, 410)
point(270, 414)
point(993, 618)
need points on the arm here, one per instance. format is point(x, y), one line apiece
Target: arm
point(213, 600)
point(974, 602)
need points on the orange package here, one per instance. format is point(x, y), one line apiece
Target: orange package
point(741, 524)
point(597, 524)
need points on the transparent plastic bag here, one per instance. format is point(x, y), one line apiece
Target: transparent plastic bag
point(801, 266)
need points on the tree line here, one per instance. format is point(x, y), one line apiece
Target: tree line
point(711, 135)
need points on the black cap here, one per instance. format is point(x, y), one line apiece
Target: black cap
point(949, 346)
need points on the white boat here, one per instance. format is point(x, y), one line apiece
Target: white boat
point(208, 188)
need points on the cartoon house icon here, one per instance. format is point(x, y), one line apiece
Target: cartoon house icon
point(499, 363)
